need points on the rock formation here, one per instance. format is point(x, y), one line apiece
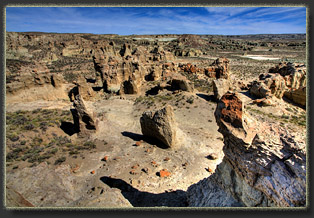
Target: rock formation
point(160, 125)
point(286, 79)
point(179, 82)
point(295, 78)
point(268, 86)
point(81, 88)
point(129, 87)
point(257, 167)
point(219, 69)
point(220, 87)
point(84, 120)
point(260, 167)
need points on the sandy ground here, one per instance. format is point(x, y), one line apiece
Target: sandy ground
point(137, 167)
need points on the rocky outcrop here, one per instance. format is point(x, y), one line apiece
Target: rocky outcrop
point(126, 50)
point(84, 120)
point(268, 86)
point(129, 87)
point(219, 69)
point(155, 73)
point(295, 79)
point(34, 79)
point(160, 125)
point(286, 79)
point(220, 87)
point(159, 54)
point(81, 88)
point(260, 167)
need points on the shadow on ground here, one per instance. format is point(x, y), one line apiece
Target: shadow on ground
point(149, 140)
point(146, 199)
point(68, 128)
point(207, 97)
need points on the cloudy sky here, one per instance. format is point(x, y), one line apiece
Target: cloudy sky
point(157, 20)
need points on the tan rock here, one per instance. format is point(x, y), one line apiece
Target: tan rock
point(160, 125)
point(84, 120)
point(220, 87)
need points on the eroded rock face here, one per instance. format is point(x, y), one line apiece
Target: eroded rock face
point(268, 86)
point(218, 69)
point(297, 95)
point(220, 87)
point(129, 87)
point(81, 88)
point(32, 75)
point(260, 167)
point(160, 125)
point(181, 83)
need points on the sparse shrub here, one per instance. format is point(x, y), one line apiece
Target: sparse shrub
point(70, 77)
point(60, 160)
point(43, 126)
point(89, 145)
point(289, 109)
point(13, 137)
point(37, 141)
point(29, 126)
point(284, 116)
point(74, 152)
point(53, 151)
point(190, 100)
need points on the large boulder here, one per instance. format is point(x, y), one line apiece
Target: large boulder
point(160, 125)
point(297, 95)
point(181, 84)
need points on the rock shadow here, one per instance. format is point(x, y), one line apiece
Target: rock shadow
point(153, 91)
point(207, 97)
point(134, 136)
point(146, 199)
point(248, 94)
point(149, 140)
point(68, 127)
point(97, 88)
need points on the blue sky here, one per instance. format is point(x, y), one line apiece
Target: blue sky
point(157, 20)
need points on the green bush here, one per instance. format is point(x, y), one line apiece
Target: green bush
point(89, 145)
point(60, 160)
